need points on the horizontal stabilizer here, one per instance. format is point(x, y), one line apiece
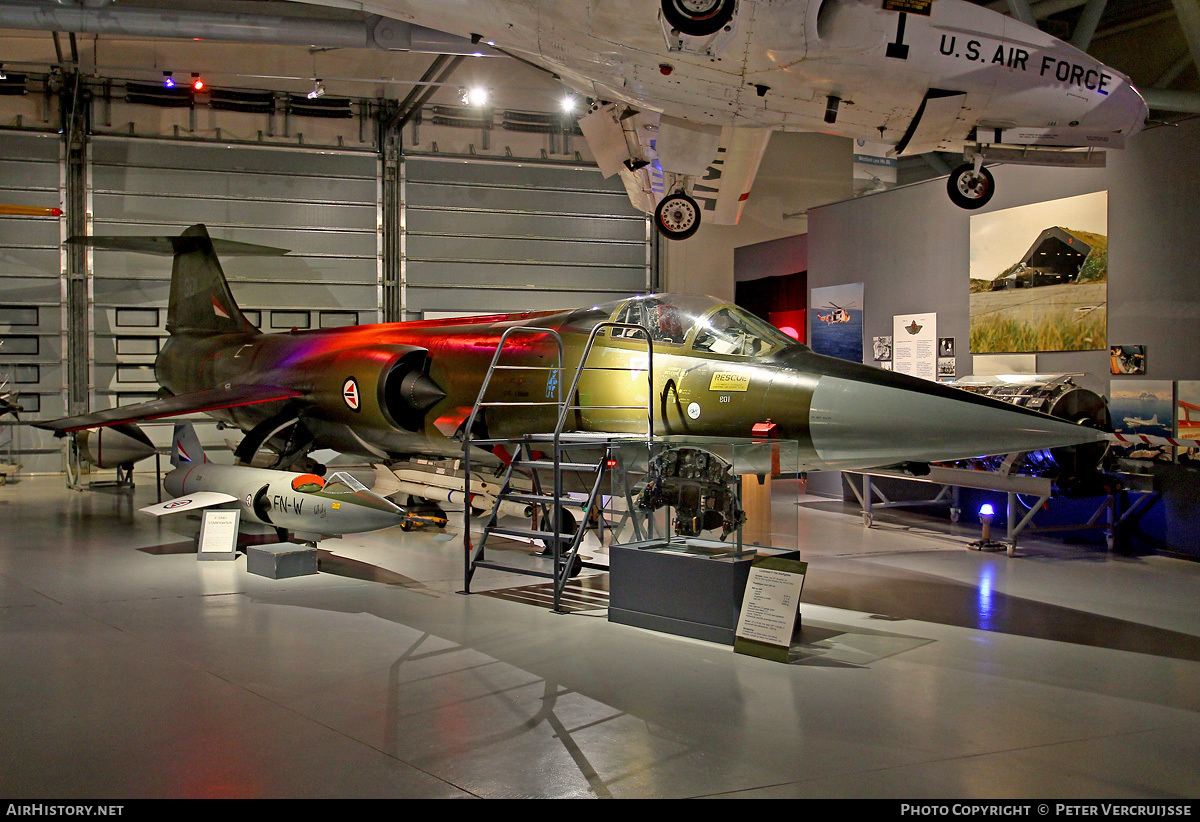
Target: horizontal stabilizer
point(196, 402)
point(169, 246)
point(191, 502)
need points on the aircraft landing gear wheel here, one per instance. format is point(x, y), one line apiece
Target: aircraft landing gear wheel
point(868, 520)
point(576, 567)
point(698, 18)
point(567, 526)
point(677, 217)
point(970, 189)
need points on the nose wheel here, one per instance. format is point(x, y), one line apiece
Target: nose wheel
point(677, 217)
point(969, 188)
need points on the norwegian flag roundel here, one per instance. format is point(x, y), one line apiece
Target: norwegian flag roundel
point(350, 393)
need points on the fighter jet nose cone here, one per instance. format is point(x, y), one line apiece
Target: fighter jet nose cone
point(893, 418)
point(419, 391)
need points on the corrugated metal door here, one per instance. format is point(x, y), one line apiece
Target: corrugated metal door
point(322, 205)
point(31, 289)
point(483, 236)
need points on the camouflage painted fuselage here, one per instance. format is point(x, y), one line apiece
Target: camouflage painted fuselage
point(842, 414)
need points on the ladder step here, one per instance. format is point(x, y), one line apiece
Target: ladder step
point(529, 534)
point(524, 368)
point(546, 402)
point(527, 572)
point(541, 499)
point(566, 466)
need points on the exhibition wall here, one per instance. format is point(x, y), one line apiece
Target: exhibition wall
point(911, 248)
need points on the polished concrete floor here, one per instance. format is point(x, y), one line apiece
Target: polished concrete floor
point(923, 670)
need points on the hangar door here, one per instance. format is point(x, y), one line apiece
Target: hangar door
point(31, 282)
point(484, 236)
point(323, 206)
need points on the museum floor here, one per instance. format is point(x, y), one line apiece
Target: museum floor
point(923, 670)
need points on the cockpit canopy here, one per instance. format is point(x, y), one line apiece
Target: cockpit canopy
point(701, 324)
point(339, 483)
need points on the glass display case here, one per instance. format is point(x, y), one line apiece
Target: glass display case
point(707, 496)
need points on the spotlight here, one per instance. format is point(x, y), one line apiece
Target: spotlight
point(168, 80)
point(318, 89)
point(473, 96)
point(197, 82)
point(568, 104)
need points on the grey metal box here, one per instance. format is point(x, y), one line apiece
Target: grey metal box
point(684, 594)
point(280, 560)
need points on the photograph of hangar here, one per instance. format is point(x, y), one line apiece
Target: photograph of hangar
point(459, 331)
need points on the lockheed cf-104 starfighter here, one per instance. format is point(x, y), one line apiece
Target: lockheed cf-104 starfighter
point(393, 390)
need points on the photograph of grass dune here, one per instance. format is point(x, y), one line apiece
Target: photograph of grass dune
point(1039, 277)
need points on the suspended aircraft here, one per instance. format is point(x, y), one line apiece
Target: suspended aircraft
point(688, 92)
point(393, 390)
point(307, 505)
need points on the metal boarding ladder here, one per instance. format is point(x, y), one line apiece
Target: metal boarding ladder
point(564, 546)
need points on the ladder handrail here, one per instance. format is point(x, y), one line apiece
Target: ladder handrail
point(562, 561)
point(487, 377)
point(587, 350)
point(468, 559)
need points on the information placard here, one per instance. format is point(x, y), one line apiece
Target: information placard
point(770, 607)
point(218, 535)
point(914, 345)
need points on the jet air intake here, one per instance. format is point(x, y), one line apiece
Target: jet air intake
point(375, 386)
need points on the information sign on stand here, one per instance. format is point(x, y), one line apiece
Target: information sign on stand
point(770, 608)
point(218, 535)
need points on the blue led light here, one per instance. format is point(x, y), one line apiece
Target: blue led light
point(986, 510)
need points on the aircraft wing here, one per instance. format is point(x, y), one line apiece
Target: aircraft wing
point(653, 152)
point(210, 399)
point(191, 502)
point(723, 189)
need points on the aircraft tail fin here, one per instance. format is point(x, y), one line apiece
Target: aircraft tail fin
point(185, 446)
point(200, 297)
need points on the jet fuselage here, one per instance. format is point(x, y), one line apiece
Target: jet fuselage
point(716, 371)
point(781, 62)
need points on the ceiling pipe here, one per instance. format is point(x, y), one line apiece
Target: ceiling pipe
point(1188, 13)
point(1089, 19)
point(374, 32)
point(1020, 9)
point(1172, 73)
point(1181, 102)
point(1040, 10)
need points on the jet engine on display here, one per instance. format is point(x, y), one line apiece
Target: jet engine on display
point(698, 485)
point(1077, 470)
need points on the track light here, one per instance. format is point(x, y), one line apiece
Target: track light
point(168, 80)
point(317, 90)
point(477, 96)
